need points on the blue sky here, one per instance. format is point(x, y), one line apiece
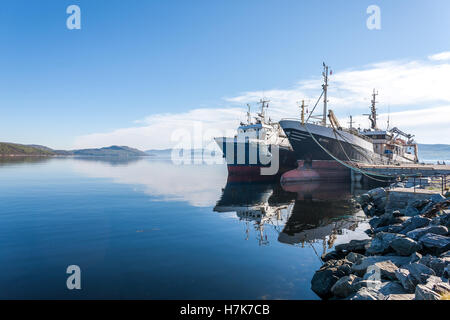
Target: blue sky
point(134, 63)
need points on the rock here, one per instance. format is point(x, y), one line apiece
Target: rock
point(434, 243)
point(411, 211)
point(360, 267)
point(369, 210)
point(406, 296)
point(432, 290)
point(387, 270)
point(402, 276)
point(364, 199)
point(323, 281)
point(343, 287)
point(380, 204)
point(367, 294)
point(377, 193)
point(366, 283)
point(381, 243)
point(353, 257)
point(418, 273)
point(437, 264)
point(415, 223)
point(358, 246)
point(395, 228)
point(388, 219)
point(415, 257)
point(445, 220)
point(398, 213)
point(332, 255)
point(405, 246)
point(391, 287)
point(417, 233)
point(374, 222)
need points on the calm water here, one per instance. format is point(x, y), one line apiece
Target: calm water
point(148, 229)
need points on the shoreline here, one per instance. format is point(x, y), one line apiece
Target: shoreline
point(406, 257)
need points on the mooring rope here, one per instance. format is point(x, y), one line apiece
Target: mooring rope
point(343, 163)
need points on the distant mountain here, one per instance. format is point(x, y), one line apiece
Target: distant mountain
point(15, 149)
point(434, 152)
point(113, 151)
point(163, 152)
point(168, 152)
point(9, 149)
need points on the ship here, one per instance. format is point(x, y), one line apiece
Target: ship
point(258, 204)
point(318, 140)
point(258, 144)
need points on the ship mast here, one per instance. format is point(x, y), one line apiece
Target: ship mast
point(263, 105)
point(373, 110)
point(249, 116)
point(325, 88)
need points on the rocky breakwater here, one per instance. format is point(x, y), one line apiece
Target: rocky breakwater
point(406, 257)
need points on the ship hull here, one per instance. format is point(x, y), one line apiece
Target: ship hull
point(246, 159)
point(338, 144)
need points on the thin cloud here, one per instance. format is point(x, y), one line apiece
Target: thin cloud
point(440, 56)
point(415, 91)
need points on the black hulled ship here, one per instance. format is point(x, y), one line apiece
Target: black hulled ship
point(318, 139)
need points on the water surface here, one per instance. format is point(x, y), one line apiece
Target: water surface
point(149, 229)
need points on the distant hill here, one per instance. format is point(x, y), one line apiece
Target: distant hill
point(115, 151)
point(163, 152)
point(14, 149)
point(434, 152)
point(168, 152)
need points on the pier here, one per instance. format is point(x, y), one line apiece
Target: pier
point(426, 175)
point(424, 170)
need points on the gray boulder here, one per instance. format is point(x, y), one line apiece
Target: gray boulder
point(391, 287)
point(360, 267)
point(367, 294)
point(387, 270)
point(377, 193)
point(445, 219)
point(403, 277)
point(415, 223)
point(433, 289)
point(375, 222)
point(343, 287)
point(405, 246)
point(332, 255)
point(411, 211)
point(353, 257)
point(406, 296)
point(381, 243)
point(395, 228)
point(418, 273)
point(415, 257)
point(417, 233)
point(358, 246)
point(437, 264)
point(323, 281)
point(434, 243)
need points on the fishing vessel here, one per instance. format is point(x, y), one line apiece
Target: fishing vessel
point(318, 140)
point(257, 144)
point(257, 204)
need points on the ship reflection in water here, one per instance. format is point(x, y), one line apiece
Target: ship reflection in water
point(301, 214)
